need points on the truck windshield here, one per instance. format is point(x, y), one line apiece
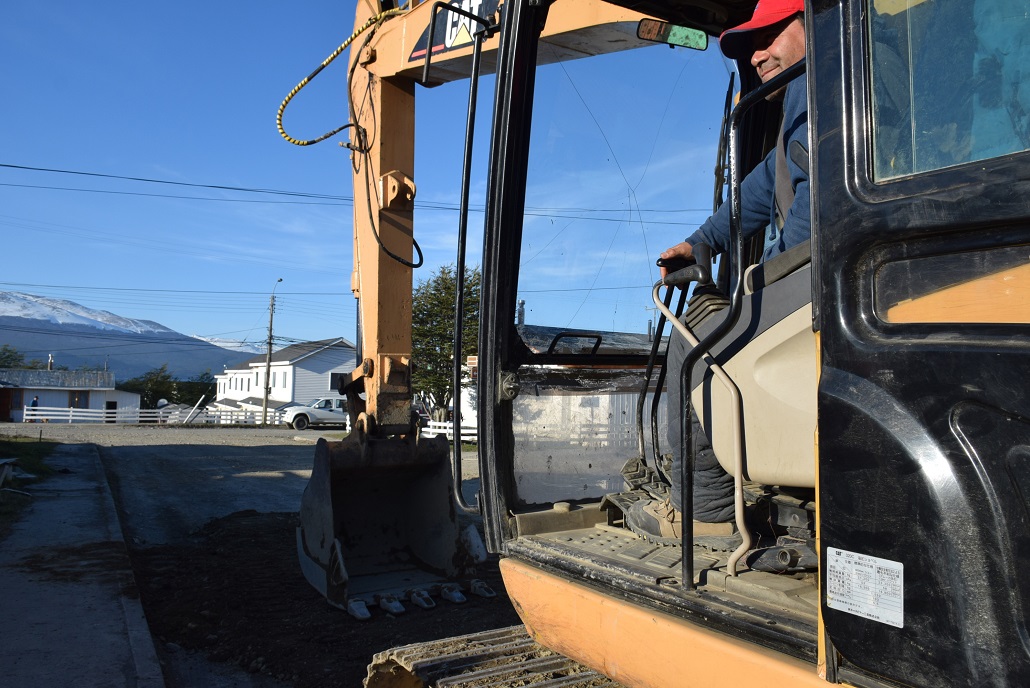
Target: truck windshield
point(950, 82)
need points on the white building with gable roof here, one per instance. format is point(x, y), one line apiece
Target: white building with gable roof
point(298, 373)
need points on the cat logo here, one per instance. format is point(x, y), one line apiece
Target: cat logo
point(453, 30)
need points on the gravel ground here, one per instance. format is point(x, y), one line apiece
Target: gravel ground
point(122, 435)
point(209, 515)
point(118, 435)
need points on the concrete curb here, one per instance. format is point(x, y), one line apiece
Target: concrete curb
point(141, 643)
point(71, 613)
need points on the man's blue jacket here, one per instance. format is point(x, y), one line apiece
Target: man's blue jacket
point(758, 190)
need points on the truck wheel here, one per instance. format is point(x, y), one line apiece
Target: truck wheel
point(300, 423)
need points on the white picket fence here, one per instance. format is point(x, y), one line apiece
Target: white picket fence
point(469, 433)
point(52, 414)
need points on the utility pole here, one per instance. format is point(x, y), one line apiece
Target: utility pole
point(268, 357)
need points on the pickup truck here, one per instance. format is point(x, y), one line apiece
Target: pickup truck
point(330, 410)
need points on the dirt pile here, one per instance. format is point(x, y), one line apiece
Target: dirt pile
point(235, 594)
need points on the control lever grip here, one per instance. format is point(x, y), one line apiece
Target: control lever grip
point(676, 264)
point(696, 268)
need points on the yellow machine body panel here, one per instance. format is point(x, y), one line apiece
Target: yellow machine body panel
point(638, 646)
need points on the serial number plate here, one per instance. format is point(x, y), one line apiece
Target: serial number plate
point(866, 586)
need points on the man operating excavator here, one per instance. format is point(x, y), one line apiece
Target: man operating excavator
point(774, 193)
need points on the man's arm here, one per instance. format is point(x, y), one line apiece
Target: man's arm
point(756, 193)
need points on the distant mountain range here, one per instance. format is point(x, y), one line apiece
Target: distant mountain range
point(78, 336)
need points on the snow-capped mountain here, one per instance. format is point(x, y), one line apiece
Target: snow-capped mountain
point(61, 312)
point(77, 336)
point(250, 348)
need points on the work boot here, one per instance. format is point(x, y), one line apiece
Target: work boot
point(655, 521)
point(658, 522)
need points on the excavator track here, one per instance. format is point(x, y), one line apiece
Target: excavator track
point(500, 658)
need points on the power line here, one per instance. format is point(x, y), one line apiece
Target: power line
point(338, 200)
point(550, 291)
point(173, 196)
point(138, 337)
point(178, 346)
point(219, 187)
point(172, 291)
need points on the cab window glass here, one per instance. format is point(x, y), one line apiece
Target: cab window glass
point(950, 82)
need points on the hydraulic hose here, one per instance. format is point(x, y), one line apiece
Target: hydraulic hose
point(325, 63)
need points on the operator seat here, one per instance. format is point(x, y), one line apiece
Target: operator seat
point(770, 355)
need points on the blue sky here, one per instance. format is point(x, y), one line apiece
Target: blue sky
point(187, 92)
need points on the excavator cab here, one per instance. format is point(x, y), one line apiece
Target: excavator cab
point(877, 456)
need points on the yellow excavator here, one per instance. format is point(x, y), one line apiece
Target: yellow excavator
point(866, 391)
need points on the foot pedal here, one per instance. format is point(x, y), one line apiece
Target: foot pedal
point(636, 474)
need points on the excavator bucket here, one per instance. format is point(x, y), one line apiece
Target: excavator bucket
point(379, 525)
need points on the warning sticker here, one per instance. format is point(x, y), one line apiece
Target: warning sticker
point(866, 586)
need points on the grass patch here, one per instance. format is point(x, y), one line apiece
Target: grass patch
point(31, 455)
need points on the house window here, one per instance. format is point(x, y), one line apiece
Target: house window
point(78, 399)
point(248, 384)
point(273, 379)
point(284, 379)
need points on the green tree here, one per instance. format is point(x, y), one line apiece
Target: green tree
point(432, 331)
point(11, 357)
point(189, 391)
point(153, 386)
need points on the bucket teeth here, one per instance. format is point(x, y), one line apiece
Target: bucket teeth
point(420, 598)
point(358, 609)
point(452, 593)
point(389, 604)
point(481, 589)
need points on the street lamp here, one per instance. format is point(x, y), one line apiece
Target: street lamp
point(268, 356)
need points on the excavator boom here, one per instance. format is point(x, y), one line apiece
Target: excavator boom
point(378, 516)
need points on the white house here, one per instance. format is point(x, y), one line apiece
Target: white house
point(298, 374)
point(79, 389)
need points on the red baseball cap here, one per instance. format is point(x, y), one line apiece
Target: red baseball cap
point(736, 42)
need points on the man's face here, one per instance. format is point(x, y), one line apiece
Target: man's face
point(777, 47)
